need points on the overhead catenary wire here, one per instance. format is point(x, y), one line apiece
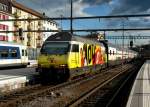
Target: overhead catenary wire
point(77, 18)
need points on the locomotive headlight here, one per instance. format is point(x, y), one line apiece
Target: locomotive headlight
point(63, 65)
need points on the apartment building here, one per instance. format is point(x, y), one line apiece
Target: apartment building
point(10, 9)
point(5, 13)
point(31, 39)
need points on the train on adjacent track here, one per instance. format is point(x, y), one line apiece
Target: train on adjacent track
point(64, 56)
point(13, 55)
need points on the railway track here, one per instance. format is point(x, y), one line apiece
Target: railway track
point(20, 96)
point(63, 94)
point(69, 94)
point(106, 94)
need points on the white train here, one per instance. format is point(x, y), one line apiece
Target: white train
point(12, 54)
point(117, 55)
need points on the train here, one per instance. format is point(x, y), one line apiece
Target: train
point(118, 55)
point(64, 56)
point(13, 55)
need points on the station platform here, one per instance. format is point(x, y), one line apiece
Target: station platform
point(140, 93)
point(33, 63)
point(11, 79)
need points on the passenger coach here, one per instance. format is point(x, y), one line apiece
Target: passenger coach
point(12, 54)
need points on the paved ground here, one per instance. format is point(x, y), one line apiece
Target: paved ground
point(33, 63)
point(140, 94)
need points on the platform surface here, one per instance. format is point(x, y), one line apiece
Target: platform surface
point(140, 93)
point(15, 78)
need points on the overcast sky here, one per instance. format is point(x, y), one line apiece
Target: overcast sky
point(56, 8)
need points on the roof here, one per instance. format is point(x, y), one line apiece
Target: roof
point(60, 36)
point(66, 36)
point(29, 10)
point(24, 8)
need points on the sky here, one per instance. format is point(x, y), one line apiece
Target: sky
point(61, 8)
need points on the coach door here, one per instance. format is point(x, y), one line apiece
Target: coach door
point(75, 55)
point(24, 56)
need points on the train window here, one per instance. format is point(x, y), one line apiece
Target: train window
point(55, 48)
point(113, 52)
point(4, 53)
point(26, 53)
point(13, 53)
point(22, 52)
point(75, 48)
point(110, 52)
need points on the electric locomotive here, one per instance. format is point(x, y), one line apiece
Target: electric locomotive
point(64, 56)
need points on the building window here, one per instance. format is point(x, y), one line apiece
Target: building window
point(51, 23)
point(3, 7)
point(6, 8)
point(6, 17)
point(0, 6)
point(43, 28)
point(6, 27)
point(3, 27)
point(3, 17)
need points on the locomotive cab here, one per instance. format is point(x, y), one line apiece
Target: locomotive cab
point(53, 58)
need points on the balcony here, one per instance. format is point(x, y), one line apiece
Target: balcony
point(39, 29)
point(28, 43)
point(38, 45)
point(21, 38)
point(39, 38)
point(17, 23)
point(29, 17)
point(40, 23)
point(17, 14)
point(29, 27)
point(29, 35)
point(16, 33)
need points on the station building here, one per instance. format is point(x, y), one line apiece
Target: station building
point(10, 9)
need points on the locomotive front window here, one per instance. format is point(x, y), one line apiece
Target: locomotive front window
point(55, 48)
